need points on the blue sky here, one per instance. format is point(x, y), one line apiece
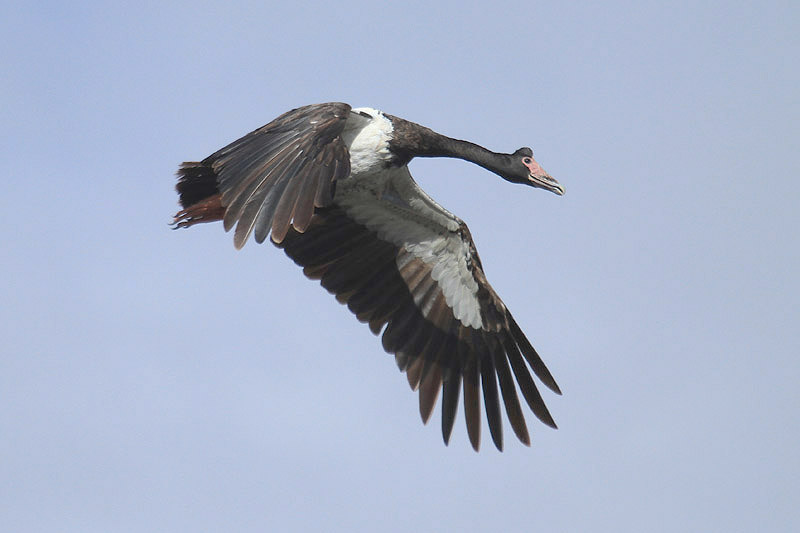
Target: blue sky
point(158, 380)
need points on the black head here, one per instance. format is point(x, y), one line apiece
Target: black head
point(523, 168)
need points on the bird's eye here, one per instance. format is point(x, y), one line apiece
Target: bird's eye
point(526, 160)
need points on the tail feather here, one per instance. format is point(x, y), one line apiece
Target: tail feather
point(196, 182)
point(199, 195)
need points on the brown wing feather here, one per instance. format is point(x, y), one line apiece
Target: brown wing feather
point(272, 178)
point(393, 291)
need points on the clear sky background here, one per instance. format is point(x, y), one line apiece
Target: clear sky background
point(158, 380)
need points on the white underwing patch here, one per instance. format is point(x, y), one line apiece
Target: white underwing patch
point(389, 202)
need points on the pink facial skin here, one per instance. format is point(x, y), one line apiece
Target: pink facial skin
point(533, 166)
point(540, 178)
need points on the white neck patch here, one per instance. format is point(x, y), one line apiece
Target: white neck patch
point(367, 140)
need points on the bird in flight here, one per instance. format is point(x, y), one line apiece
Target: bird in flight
point(330, 185)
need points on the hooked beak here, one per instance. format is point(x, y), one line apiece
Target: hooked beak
point(538, 177)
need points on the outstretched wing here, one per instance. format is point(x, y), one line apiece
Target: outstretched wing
point(272, 178)
point(398, 259)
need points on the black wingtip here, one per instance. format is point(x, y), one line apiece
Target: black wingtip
point(532, 356)
point(451, 389)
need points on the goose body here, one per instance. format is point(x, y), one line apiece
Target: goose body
point(331, 186)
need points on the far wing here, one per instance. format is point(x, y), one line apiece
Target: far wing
point(272, 178)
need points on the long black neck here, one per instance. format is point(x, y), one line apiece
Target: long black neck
point(412, 140)
point(474, 153)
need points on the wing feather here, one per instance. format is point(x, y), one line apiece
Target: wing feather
point(253, 181)
point(451, 388)
point(414, 372)
point(272, 178)
point(472, 404)
point(394, 289)
point(429, 388)
point(491, 398)
point(509, 392)
point(526, 384)
point(532, 356)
